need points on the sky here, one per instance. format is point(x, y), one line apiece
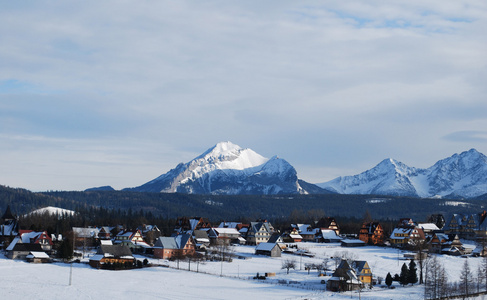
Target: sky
point(96, 93)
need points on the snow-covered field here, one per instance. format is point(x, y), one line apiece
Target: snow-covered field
point(21, 280)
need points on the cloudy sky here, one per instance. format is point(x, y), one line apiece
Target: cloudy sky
point(118, 92)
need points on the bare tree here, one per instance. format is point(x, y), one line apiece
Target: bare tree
point(421, 247)
point(465, 279)
point(436, 282)
point(289, 264)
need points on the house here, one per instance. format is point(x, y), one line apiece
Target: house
point(352, 243)
point(10, 227)
point(269, 249)
point(259, 232)
point(201, 239)
point(19, 250)
point(438, 220)
point(187, 225)
point(403, 236)
point(292, 236)
point(105, 233)
point(438, 241)
point(109, 255)
point(134, 240)
point(150, 233)
point(174, 247)
point(219, 236)
point(429, 228)
point(36, 237)
point(328, 223)
point(363, 271)
point(85, 237)
point(38, 257)
point(372, 233)
point(328, 236)
point(345, 277)
point(306, 231)
point(468, 226)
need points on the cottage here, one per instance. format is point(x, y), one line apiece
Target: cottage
point(259, 232)
point(38, 257)
point(109, 255)
point(328, 223)
point(10, 227)
point(225, 236)
point(372, 233)
point(174, 247)
point(269, 249)
point(403, 236)
point(134, 240)
point(345, 278)
point(306, 231)
point(19, 250)
point(328, 236)
point(188, 225)
point(352, 243)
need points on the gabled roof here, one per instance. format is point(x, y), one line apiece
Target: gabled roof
point(8, 214)
point(115, 250)
point(173, 242)
point(266, 246)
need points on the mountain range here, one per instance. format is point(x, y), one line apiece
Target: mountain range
point(462, 175)
point(228, 169)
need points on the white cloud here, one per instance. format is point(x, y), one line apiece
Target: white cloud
point(337, 77)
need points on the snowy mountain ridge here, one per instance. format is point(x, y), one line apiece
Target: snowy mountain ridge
point(228, 169)
point(461, 175)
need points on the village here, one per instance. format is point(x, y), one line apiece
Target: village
point(317, 257)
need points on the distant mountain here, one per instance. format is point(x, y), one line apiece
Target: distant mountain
point(459, 176)
point(228, 169)
point(100, 189)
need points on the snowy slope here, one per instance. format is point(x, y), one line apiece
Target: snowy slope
point(53, 211)
point(227, 168)
point(461, 175)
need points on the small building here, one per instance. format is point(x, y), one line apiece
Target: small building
point(344, 279)
point(174, 246)
point(372, 233)
point(38, 257)
point(21, 250)
point(108, 255)
point(328, 236)
point(352, 243)
point(269, 249)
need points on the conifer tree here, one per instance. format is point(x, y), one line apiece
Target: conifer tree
point(403, 277)
point(412, 273)
point(389, 279)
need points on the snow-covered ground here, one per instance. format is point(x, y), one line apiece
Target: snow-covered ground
point(21, 280)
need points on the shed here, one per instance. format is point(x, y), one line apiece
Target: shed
point(269, 249)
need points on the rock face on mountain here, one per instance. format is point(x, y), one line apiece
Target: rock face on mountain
point(229, 170)
point(461, 175)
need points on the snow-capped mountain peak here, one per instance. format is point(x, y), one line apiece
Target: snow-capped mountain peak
point(461, 175)
point(227, 168)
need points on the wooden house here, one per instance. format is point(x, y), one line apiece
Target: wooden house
point(372, 233)
point(344, 278)
point(468, 226)
point(328, 223)
point(174, 247)
point(109, 255)
point(402, 236)
point(269, 249)
point(259, 232)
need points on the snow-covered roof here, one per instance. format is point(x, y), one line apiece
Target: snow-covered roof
point(106, 242)
point(97, 257)
point(35, 254)
point(295, 236)
point(329, 234)
point(229, 224)
point(265, 246)
point(428, 226)
point(13, 243)
point(221, 231)
point(85, 232)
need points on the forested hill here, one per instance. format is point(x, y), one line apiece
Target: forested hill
point(248, 207)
